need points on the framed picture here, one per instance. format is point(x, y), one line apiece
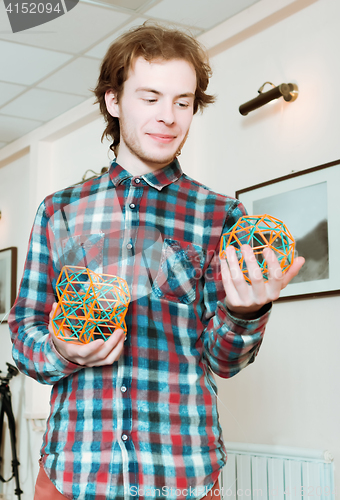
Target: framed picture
point(8, 280)
point(308, 202)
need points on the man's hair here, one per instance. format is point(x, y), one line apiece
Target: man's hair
point(152, 42)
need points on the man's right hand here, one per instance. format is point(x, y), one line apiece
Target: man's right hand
point(96, 353)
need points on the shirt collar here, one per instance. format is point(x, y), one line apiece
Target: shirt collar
point(158, 179)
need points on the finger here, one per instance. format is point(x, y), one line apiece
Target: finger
point(256, 289)
point(253, 267)
point(275, 275)
point(108, 352)
point(80, 353)
point(85, 351)
point(235, 285)
point(95, 352)
point(117, 336)
point(50, 317)
point(273, 264)
point(261, 290)
point(292, 271)
point(113, 355)
point(53, 309)
point(226, 276)
point(236, 273)
point(228, 285)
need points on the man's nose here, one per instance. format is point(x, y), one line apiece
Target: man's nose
point(166, 113)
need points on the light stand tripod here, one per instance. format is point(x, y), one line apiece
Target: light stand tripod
point(6, 407)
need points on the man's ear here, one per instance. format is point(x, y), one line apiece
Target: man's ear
point(112, 103)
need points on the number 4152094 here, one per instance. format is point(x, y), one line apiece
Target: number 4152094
point(34, 8)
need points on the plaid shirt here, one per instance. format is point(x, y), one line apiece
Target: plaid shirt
point(147, 426)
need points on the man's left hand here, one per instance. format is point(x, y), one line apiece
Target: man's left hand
point(243, 299)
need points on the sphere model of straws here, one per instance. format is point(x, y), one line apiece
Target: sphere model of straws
point(90, 305)
point(260, 231)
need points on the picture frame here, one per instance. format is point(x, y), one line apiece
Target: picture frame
point(308, 203)
point(8, 280)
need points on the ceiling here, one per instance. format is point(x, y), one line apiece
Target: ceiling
point(49, 69)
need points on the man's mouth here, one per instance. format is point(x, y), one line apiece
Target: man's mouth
point(163, 138)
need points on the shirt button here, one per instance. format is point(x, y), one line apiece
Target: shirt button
point(123, 388)
point(132, 206)
point(124, 437)
point(129, 246)
point(137, 181)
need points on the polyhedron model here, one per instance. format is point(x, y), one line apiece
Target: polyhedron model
point(260, 231)
point(90, 306)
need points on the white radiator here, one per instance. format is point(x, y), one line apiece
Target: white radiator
point(260, 472)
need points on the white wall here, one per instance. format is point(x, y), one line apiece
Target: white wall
point(279, 137)
point(14, 197)
point(290, 396)
point(14, 231)
point(74, 153)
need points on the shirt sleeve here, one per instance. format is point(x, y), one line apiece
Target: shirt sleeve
point(33, 349)
point(230, 343)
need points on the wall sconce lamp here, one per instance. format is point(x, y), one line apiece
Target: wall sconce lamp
point(96, 174)
point(289, 91)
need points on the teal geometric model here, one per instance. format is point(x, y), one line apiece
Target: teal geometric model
point(90, 305)
point(260, 231)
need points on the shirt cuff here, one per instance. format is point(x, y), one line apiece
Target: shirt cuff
point(259, 317)
point(60, 363)
point(253, 315)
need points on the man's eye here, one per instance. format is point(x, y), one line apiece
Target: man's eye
point(182, 104)
point(150, 100)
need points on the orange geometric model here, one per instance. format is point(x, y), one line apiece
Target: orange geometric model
point(260, 231)
point(90, 305)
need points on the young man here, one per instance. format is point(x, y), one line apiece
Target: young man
point(136, 416)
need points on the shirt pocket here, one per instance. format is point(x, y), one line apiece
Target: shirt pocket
point(178, 272)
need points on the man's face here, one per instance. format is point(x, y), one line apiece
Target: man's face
point(155, 112)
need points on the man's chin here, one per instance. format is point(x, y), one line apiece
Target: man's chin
point(155, 158)
point(159, 161)
point(162, 154)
